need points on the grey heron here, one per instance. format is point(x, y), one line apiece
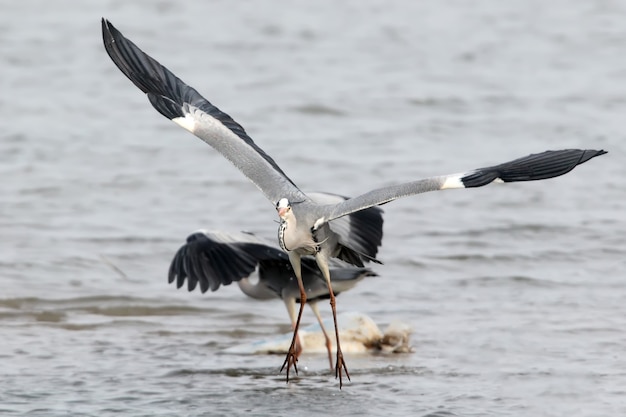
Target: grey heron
point(212, 259)
point(305, 227)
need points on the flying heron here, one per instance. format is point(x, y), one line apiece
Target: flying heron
point(305, 227)
point(212, 259)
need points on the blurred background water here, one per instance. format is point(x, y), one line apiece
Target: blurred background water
point(515, 293)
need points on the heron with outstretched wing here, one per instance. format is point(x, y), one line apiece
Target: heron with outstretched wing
point(212, 259)
point(305, 227)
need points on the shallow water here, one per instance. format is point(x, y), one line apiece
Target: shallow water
point(515, 293)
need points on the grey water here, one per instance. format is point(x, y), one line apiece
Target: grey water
point(515, 293)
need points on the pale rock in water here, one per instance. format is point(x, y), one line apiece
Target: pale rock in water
point(358, 334)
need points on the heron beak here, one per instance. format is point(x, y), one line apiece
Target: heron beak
point(282, 211)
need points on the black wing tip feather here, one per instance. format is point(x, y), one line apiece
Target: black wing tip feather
point(107, 29)
point(113, 40)
point(110, 34)
point(540, 166)
point(166, 92)
point(209, 263)
point(591, 153)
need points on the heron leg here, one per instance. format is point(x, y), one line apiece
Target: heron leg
point(316, 311)
point(290, 303)
point(340, 366)
point(292, 355)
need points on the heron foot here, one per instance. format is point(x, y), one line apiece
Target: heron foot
point(340, 367)
point(291, 360)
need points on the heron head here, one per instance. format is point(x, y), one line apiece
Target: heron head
point(283, 207)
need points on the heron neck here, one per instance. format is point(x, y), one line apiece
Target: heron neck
point(286, 229)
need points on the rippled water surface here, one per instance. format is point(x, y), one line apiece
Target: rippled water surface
point(515, 293)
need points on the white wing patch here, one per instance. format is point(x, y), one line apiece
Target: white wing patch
point(318, 223)
point(188, 122)
point(453, 181)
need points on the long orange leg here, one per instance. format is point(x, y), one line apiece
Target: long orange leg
point(340, 366)
point(290, 303)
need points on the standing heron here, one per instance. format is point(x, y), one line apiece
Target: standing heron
point(305, 227)
point(212, 259)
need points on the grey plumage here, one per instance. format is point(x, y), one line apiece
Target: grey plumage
point(213, 259)
point(307, 225)
point(210, 259)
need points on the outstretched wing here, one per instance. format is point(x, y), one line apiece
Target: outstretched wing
point(533, 167)
point(212, 259)
point(177, 101)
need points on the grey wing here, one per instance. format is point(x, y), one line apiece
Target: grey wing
point(212, 259)
point(182, 104)
point(533, 167)
point(360, 233)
